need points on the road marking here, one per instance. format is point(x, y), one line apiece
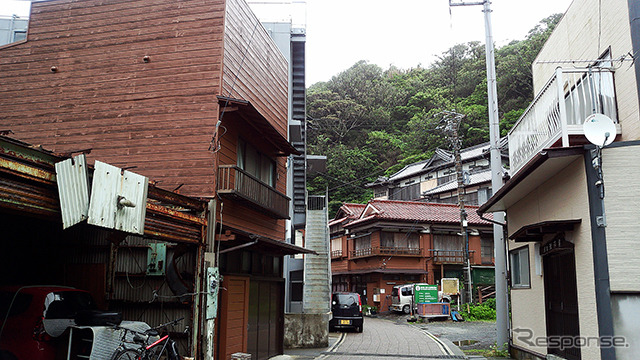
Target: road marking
point(333, 348)
point(445, 349)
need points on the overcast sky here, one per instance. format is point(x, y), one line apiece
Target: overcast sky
point(404, 33)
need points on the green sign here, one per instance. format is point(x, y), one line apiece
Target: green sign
point(425, 293)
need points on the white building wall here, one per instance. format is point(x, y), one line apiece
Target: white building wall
point(621, 172)
point(527, 305)
point(585, 34)
point(563, 197)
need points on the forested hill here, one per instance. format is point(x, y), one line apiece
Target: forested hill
point(371, 122)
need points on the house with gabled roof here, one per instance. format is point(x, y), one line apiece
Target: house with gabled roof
point(434, 179)
point(384, 243)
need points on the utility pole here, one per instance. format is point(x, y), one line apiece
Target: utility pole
point(502, 310)
point(452, 128)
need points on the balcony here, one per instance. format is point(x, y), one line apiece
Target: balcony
point(449, 256)
point(555, 116)
point(336, 254)
point(385, 251)
point(235, 183)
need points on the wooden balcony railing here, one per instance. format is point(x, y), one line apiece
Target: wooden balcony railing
point(336, 254)
point(559, 110)
point(449, 256)
point(382, 250)
point(251, 191)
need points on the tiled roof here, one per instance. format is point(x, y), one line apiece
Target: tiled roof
point(418, 212)
point(353, 210)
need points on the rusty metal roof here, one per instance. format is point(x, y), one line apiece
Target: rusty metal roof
point(28, 186)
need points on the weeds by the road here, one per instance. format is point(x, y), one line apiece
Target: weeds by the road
point(493, 352)
point(484, 311)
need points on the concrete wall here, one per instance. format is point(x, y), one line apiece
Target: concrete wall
point(584, 34)
point(306, 330)
point(562, 197)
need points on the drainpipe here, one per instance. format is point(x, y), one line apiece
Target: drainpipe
point(600, 261)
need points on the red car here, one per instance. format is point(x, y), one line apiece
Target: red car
point(33, 318)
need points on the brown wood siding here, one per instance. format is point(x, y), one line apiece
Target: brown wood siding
point(234, 214)
point(254, 68)
point(157, 116)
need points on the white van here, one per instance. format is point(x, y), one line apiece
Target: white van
point(401, 296)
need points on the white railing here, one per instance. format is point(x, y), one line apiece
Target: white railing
point(547, 119)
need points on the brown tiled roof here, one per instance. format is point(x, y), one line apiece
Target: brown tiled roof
point(353, 209)
point(419, 212)
point(348, 212)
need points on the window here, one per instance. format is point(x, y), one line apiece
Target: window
point(19, 35)
point(363, 242)
point(400, 240)
point(446, 178)
point(486, 250)
point(411, 192)
point(336, 244)
point(483, 195)
point(297, 285)
point(256, 163)
point(380, 192)
point(520, 268)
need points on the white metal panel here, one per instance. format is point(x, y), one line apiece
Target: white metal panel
point(112, 188)
point(104, 195)
point(133, 187)
point(73, 190)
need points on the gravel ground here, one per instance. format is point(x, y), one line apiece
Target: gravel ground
point(484, 333)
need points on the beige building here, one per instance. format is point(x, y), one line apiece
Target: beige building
point(574, 268)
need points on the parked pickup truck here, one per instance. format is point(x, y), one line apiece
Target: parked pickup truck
point(401, 298)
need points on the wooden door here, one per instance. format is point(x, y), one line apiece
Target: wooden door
point(234, 315)
point(561, 300)
point(266, 318)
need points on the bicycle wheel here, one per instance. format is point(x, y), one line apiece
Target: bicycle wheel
point(126, 354)
point(166, 351)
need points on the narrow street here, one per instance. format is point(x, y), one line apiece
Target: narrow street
point(380, 339)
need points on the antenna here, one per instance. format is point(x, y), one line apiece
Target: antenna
point(599, 129)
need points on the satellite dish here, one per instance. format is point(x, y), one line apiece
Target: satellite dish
point(599, 129)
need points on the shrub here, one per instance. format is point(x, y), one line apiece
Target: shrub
point(484, 311)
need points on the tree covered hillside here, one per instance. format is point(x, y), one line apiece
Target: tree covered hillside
point(371, 122)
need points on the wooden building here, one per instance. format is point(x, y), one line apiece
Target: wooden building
point(190, 93)
point(386, 243)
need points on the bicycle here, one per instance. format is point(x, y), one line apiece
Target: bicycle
point(162, 349)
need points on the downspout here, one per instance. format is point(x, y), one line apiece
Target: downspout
point(600, 261)
point(481, 214)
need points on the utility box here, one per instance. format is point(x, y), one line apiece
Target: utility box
point(156, 259)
